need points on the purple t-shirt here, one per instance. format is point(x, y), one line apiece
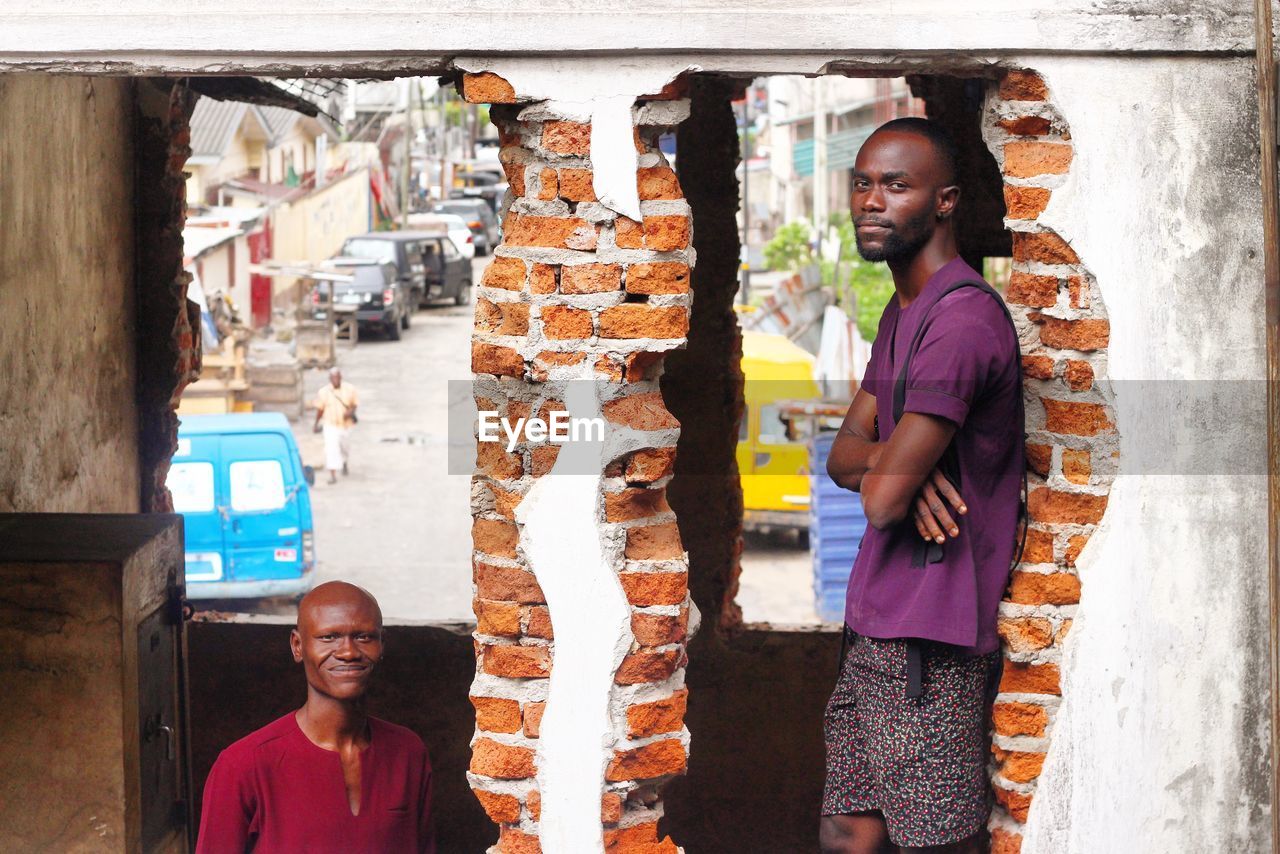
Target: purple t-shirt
point(966, 370)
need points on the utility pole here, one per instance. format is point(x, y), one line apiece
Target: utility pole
point(746, 197)
point(407, 162)
point(821, 184)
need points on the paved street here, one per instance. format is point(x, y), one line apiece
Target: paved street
point(400, 524)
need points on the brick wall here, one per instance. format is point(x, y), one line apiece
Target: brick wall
point(1071, 438)
point(576, 291)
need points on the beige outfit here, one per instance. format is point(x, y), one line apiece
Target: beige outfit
point(335, 405)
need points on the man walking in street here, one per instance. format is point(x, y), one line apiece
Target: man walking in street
point(328, 777)
point(336, 413)
point(934, 443)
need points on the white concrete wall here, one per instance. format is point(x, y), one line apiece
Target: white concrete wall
point(68, 429)
point(1160, 744)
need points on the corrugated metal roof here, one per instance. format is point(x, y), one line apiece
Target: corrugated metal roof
point(278, 121)
point(213, 126)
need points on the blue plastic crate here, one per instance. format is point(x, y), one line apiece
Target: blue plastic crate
point(836, 526)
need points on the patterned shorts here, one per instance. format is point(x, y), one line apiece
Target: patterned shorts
point(919, 761)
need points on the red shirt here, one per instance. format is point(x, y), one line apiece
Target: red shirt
point(277, 791)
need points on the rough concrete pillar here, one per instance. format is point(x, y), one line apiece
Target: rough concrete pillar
point(168, 345)
point(581, 580)
point(703, 384)
point(1072, 444)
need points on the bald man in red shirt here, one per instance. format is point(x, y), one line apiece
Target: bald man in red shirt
point(328, 777)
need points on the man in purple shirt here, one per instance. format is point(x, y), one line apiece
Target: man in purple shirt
point(934, 443)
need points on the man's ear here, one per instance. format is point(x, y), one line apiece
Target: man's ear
point(295, 644)
point(948, 199)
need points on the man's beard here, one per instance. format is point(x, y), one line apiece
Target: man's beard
point(901, 244)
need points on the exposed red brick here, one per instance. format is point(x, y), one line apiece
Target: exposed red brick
point(576, 186)
point(533, 719)
point(634, 504)
point(502, 761)
point(640, 411)
point(1013, 719)
point(515, 318)
point(645, 666)
point(590, 278)
point(1036, 588)
point(645, 763)
point(1017, 804)
point(493, 459)
point(666, 715)
point(547, 360)
point(533, 801)
point(1025, 202)
point(660, 233)
point(507, 584)
point(1074, 546)
point(514, 841)
point(1076, 465)
point(548, 186)
point(567, 137)
point(1063, 631)
point(1043, 246)
point(540, 623)
point(544, 458)
point(1026, 125)
point(495, 538)
point(493, 359)
point(650, 464)
point(658, 182)
point(496, 714)
point(659, 629)
point(662, 277)
point(506, 273)
point(640, 366)
point(1038, 367)
point(517, 662)
point(654, 588)
point(1025, 634)
point(1078, 292)
point(1088, 334)
point(503, 809)
point(1022, 85)
point(1075, 418)
point(1054, 507)
point(1028, 289)
point(1022, 678)
point(542, 279)
point(497, 618)
point(1004, 842)
point(610, 808)
point(1039, 458)
point(1029, 159)
point(1039, 547)
point(515, 177)
point(1079, 375)
point(633, 320)
point(548, 231)
point(610, 368)
point(1018, 766)
point(487, 88)
point(562, 322)
point(654, 542)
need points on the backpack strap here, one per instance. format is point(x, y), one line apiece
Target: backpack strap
point(927, 552)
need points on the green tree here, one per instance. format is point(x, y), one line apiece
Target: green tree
point(860, 288)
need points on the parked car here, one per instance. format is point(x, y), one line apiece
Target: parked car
point(452, 225)
point(402, 248)
point(479, 218)
point(448, 271)
point(382, 300)
point(242, 490)
point(478, 182)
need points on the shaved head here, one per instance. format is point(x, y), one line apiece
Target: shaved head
point(338, 639)
point(340, 593)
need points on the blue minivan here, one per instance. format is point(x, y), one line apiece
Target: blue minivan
point(239, 483)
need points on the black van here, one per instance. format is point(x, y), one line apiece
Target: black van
point(429, 265)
